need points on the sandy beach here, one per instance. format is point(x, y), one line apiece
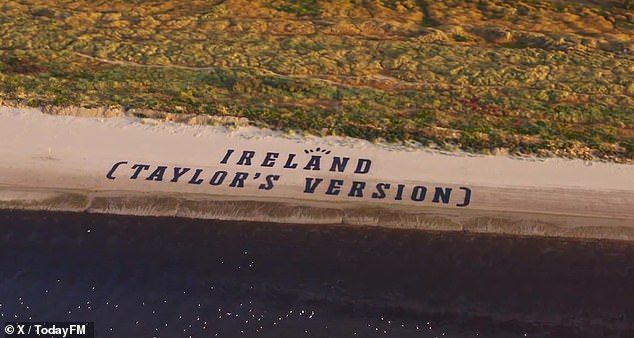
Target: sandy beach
point(146, 167)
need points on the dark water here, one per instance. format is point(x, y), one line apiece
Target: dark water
point(167, 277)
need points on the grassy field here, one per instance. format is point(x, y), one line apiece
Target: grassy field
point(546, 78)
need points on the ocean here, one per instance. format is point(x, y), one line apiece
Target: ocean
point(174, 277)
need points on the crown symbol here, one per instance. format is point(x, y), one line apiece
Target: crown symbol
point(317, 150)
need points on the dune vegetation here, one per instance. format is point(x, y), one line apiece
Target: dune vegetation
point(531, 77)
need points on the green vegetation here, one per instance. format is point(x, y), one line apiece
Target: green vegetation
point(531, 77)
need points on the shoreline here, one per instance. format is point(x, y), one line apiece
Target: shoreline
point(151, 168)
point(289, 211)
point(531, 288)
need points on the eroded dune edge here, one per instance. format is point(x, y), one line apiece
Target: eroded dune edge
point(303, 212)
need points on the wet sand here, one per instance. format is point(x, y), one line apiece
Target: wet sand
point(176, 277)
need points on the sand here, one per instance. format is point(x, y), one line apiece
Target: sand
point(61, 163)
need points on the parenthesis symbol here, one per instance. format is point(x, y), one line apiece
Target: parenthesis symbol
point(113, 169)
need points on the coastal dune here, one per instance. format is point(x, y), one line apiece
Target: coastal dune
point(131, 166)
